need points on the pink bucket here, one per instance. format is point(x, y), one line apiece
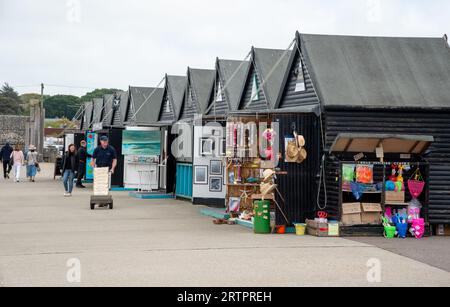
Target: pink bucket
point(418, 228)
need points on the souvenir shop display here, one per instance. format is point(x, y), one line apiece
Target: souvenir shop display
point(377, 193)
point(251, 174)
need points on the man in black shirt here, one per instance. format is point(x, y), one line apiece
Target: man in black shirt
point(82, 157)
point(105, 155)
point(5, 156)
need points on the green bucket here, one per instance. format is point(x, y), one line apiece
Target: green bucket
point(262, 217)
point(389, 232)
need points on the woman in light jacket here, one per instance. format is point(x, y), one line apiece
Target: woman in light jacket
point(18, 160)
point(32, 163)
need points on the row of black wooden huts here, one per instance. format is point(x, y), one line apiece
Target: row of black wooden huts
point(323, 87)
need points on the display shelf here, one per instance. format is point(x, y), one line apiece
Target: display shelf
point(395, 204)
point(367, 192)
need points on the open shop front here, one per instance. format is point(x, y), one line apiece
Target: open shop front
point(378, 185)
point(70, 136)
point(259, 150)
point(115, 140)
point(148, 163)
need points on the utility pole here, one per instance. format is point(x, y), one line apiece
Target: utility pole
point(42, 96)
point(41, 123)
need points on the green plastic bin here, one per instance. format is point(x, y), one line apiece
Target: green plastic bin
point(261, 220)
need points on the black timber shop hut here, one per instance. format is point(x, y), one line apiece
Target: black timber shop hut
point(229, 83)
point(144, 105)
point(97, 114)
point(109, 125)
point(143, 108)
point(173, 97)
point(228, 87)
point(86, 118)
point(379, 85)
point(199, 90)
point(288, 98)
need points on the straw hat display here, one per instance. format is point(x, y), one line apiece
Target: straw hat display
point(267, 188)
point(295, 151)
point(292, 152)
point(268, 175)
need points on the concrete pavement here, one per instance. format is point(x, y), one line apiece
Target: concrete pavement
point(168, 243)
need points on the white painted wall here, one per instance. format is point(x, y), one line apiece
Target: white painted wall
point(199, 190)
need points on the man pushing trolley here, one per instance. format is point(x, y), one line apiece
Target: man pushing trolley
point(104, 162)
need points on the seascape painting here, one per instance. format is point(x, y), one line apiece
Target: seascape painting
point(141, 143)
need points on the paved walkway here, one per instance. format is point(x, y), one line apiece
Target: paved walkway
point(168, 243)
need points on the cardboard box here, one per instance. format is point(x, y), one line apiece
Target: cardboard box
point(371, 214)
point(351, 219)
point(351, 214)
point(316, 229)
point(333, 229)
point(393, 196)
point(351, 208)
point(101, 181)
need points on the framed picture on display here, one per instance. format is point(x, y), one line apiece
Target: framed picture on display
point(201, 174)
point(215, 167)
point(215, 184)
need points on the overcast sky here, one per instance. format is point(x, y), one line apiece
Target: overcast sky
point(83, 44)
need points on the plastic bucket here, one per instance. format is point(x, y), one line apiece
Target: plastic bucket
point(261, 220)
point(281, 229)
point(402, 229)
point(389, 231)
point(300, 229)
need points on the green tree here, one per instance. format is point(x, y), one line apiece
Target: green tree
point(9, 106)
point(9, 101)
point(9, 91)
point(98, 93)
point(60, 106)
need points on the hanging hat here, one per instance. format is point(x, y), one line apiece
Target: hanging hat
point(268, 174)
point(302, 155)
point(267, 188)
point(301, 141)
point(292, 152)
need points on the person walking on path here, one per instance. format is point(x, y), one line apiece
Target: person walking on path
point(32, 163)
point(18, 160)
point(82, 160)
point(105, 155)
point(5, 157)
point(69, 167)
